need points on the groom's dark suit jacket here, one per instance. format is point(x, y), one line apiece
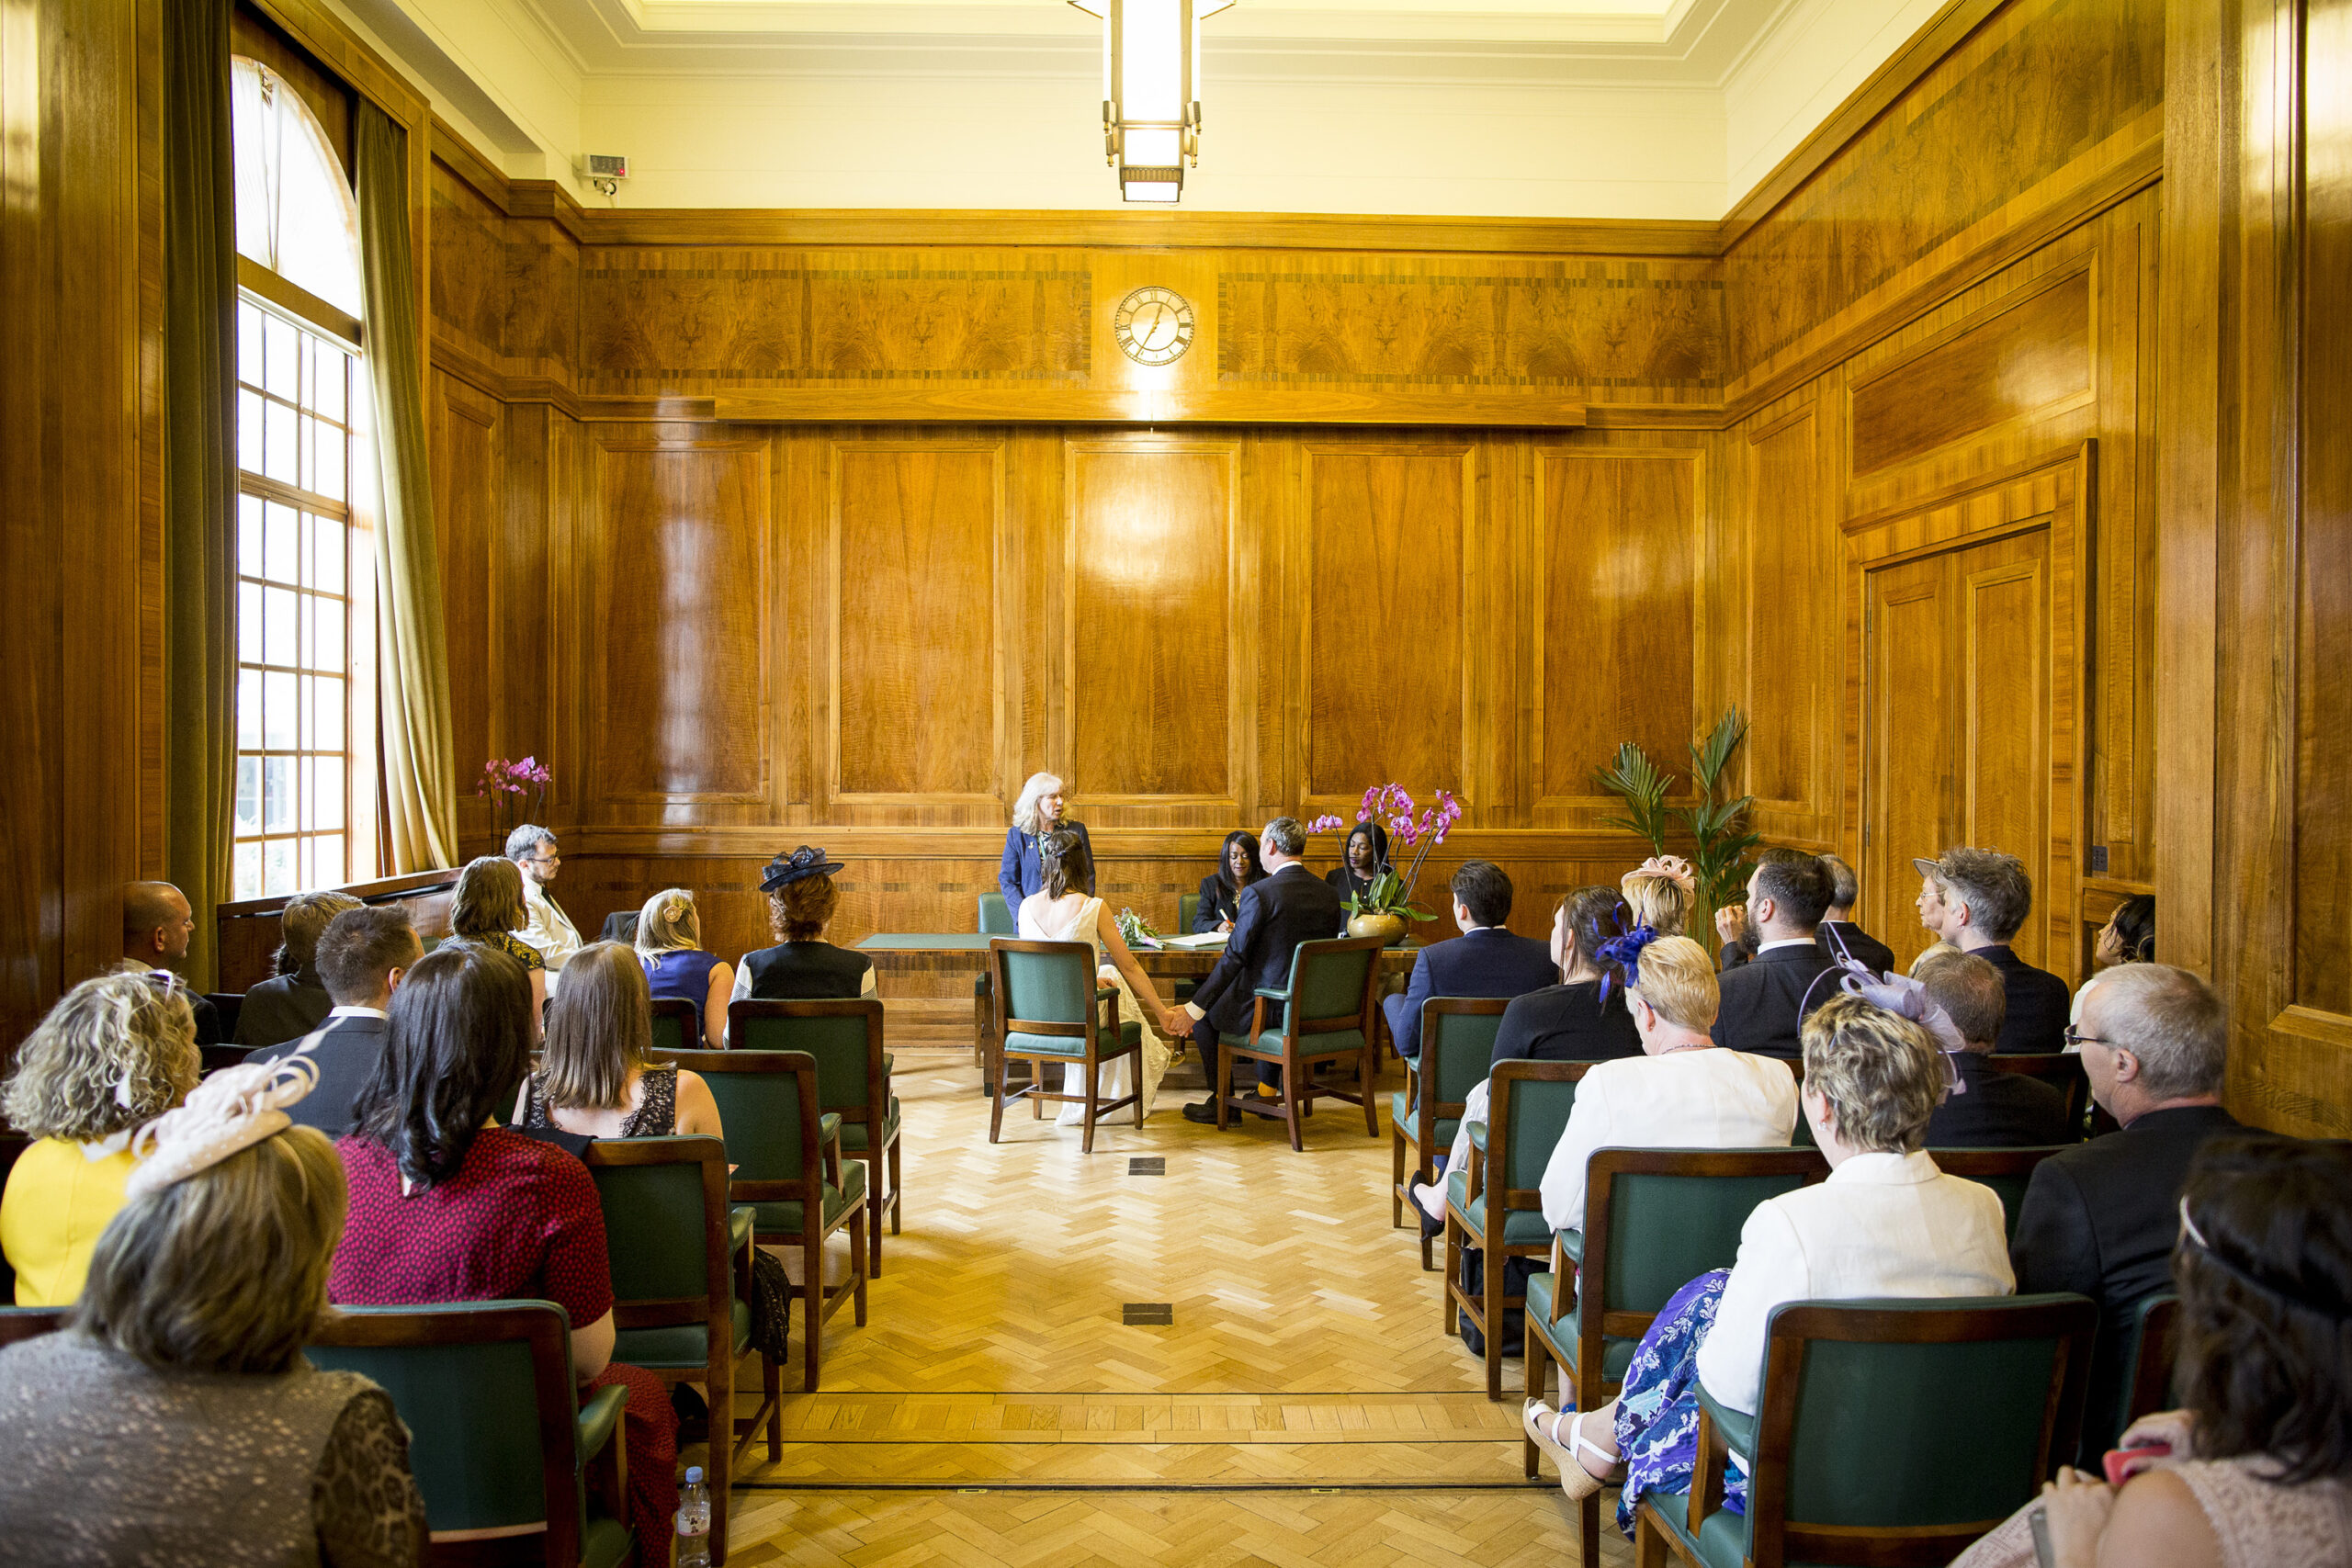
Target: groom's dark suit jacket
point(1292, 906)
point(1767, 997)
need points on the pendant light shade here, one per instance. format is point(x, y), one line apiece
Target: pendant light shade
point(1151, 118)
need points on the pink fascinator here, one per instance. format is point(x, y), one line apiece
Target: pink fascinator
point(230, 1110)
point(1905, 998)
point(1674, 868)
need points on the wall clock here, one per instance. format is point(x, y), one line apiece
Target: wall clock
point(1154, 326)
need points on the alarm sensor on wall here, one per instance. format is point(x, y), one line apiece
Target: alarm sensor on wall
point(603, 171)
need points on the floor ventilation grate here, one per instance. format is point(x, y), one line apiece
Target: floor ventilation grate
point(1149, 1315)
point(1139, 1166)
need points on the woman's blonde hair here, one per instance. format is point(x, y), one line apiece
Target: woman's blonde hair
point(1025, 810)
point(114, 1052)
point(600, 1029)
point(669, 923)
point(489, 898)
point(224, 1271)
point(1679, 980)
point(1877, 1069)
point(1657, 901)
point(798, 912)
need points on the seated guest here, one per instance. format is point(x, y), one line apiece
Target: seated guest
point(1363, 857)
point(1220, 899)
point(1765, 999)
point(677, 965)
point(1837, 934)
point(174, 1419)
point(545, 929)
point(113, 1053)
point(1290, 905)
point(1682, 1092)
point(486, 911)
point(1976, 901)
point(447, 1206)
point(156, 924)
point(1887, 1223)
point(1488, 959)
point(294, 1001)
point(803, 966)
point(599, 1078)
point(2129, 937)
point(1986, 1110)
point(2099, 1219)
point(363, 957)
point(1037, 813)
point(2260, 1468)
point(1660, 892)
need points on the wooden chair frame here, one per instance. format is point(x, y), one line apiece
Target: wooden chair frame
point(821, 1160)
point(1421, 1137)
point(722, 1259)
point(2154, 1339)
point(562, 1467)
point(1101, 1015)
point(1776, 1539)
point(690, 1029)
point(1492, 1302)
point(1593, 1387)
point(1301, 1088)
point(1979, 1165)
point(873, 1112)
point(2063, 1070)
point(985, 1034)
point(18, 1324)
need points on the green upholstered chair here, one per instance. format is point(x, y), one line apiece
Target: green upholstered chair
point(2006, 1171)
point(852, 1082)
point(682, 1288)
point(1853, 1455)
point(677, 1024)
point(788, 1157)
point(1654, 1221)
point(2061, 1070)
point(996, 918)
point(1457, 1042)
point(498, 1437)
point(1326, 1016)
point(2155, 1333)
point(1055, 1014)
point(30, 1323)
point(1496, 1205)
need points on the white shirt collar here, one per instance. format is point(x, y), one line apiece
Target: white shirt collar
point(1785, 941)
point(1885, 1169)
point(1288, 865)
point(357, 1013)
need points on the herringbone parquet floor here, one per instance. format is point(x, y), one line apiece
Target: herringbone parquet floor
point(1303, 1406)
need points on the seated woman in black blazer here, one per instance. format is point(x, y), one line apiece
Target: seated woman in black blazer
point(803, 966)
point(1362, 859)
point(1237, 868)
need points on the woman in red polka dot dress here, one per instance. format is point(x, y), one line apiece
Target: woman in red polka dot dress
point(446, 1207)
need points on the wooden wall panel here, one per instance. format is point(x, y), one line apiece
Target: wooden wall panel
point(917, 706)
point(1148, 662)
point(1790, 662)
point(469, 499)
point(2024, 362)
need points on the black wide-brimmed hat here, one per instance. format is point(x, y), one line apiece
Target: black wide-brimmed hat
point(805, 862)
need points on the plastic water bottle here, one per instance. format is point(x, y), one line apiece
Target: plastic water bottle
point(693, 1522)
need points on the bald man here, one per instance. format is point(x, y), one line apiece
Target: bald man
point(156, 924)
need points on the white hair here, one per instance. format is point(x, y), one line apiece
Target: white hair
point(1025, 810)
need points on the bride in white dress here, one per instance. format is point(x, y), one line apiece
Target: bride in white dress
point(1065, 909)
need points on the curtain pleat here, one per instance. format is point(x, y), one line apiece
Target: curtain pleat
point(419, 763)
point(199, 465)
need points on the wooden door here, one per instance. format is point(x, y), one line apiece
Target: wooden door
point(1957, 699)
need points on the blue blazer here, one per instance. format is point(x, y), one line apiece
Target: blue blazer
point(1489, 962)
point(1022, 874)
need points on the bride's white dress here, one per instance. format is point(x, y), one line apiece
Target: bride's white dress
point(1042, 920)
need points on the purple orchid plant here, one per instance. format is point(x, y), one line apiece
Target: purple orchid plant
point(1393, 809)
point(504, 783)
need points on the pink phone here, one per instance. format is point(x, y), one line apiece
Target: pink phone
point(2122, 1464)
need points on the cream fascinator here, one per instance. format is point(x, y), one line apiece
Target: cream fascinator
point(230, 1110)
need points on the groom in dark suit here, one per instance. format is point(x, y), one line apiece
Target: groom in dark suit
point(1288, 905)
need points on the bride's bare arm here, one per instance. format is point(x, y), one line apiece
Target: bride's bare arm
point(1107, 927)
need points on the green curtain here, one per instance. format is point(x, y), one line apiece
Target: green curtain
point(420, 764)
point(200, 466)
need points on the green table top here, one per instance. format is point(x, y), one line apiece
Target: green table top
point(925, 942)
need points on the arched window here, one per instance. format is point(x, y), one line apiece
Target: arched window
point(305, 809)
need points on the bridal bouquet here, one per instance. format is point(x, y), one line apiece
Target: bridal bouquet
point(1389, 805)
point(1136, 931)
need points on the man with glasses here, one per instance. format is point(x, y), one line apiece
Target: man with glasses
point(2101, 1218)
point(533, 851)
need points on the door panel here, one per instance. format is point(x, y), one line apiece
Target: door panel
point(1910, 752)
point(2006, 739)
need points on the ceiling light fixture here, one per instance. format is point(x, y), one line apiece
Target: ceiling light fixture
point(1151, 122)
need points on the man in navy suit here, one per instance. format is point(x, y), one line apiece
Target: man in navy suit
point(1976, 901)
point(362, 955)
point(1289, 905)
point(1765, 998)
point(1486, 960)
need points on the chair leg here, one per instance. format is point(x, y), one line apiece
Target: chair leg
point(1220, 1081)
point(772, 1391)
point(1137, 1060)
point(813, 1291)
point(1588, 1526)
point(1539, 1377)
point(1093, 1093)
point(996, 1101)
point(719, 1386)
point(1452, 1271)
point(897, 1197)
point(873, 1159)
point(1395, 1177)
point(1363, 1089)
point(1650, 1545)
point(1492, 1310)
point(1293, 1072)
point(857, 1265)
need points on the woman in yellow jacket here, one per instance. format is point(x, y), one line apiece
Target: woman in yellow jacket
point(117, 1051)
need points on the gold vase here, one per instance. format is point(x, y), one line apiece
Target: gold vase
point(1388, 926)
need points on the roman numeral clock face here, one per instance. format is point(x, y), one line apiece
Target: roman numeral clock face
point(1154, 326)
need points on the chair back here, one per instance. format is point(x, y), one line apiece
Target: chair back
point(30, 1323)
point(1045, 993)
point(2006, 1171)
point(1188, 910)
point(2155, 1331)
point(1855, 1460)
point(2060, 1069)
point(1458, 1044)
point(212, 1058)
point(665, 1229)
point(677, 1024)
point(767, 1102)
point(843, 1036)
point(1656, 1219)
point(485, 1389)
point(996, 915)
point(1331, 986)
point(1527, 1110)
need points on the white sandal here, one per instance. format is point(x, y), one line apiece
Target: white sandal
point(1540, 1423)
